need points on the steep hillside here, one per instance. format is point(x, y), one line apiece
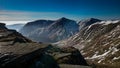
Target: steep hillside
point(99, 43)
point(50, 31)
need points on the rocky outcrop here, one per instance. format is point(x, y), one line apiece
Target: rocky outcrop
point(2, 26)
point(50, 31)
point(67, 55)
point(9, 37)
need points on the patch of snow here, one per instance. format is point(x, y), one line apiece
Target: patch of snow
point(109, 22)
point(89, 27)
point(114, 50)
point(75, 36)
point(89, 40)
point(100, 56)
point(79, 46)
point(106, 44)
point(100, 60)
point(96, 52)
point(88, 36)
point(116, 58)
point(108, 36)
point(87, 58)
point(118, 36)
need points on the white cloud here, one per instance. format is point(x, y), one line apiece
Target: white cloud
point(14, 22)
point(12, 17)
point(8, 15)
point(22, 15)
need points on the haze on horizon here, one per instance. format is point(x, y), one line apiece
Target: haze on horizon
point(22, 11)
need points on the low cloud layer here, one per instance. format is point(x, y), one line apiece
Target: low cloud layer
point(28, 16)
point(13, 17)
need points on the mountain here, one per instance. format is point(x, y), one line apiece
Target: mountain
point(15, 26)
point(50, 31)
point(87, 22)
point(30, 27)
point(17, 51)
point(99, 43)
point(36, 30)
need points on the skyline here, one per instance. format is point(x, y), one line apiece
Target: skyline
point(29, 10)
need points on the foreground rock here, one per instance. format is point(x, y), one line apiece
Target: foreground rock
point(68, 55)
point(19, 55)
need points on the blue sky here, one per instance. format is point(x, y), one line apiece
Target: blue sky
point(26, 10)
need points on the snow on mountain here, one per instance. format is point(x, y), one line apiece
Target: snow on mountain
point(109, 22)
point(87, 22)
point(99, 42)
